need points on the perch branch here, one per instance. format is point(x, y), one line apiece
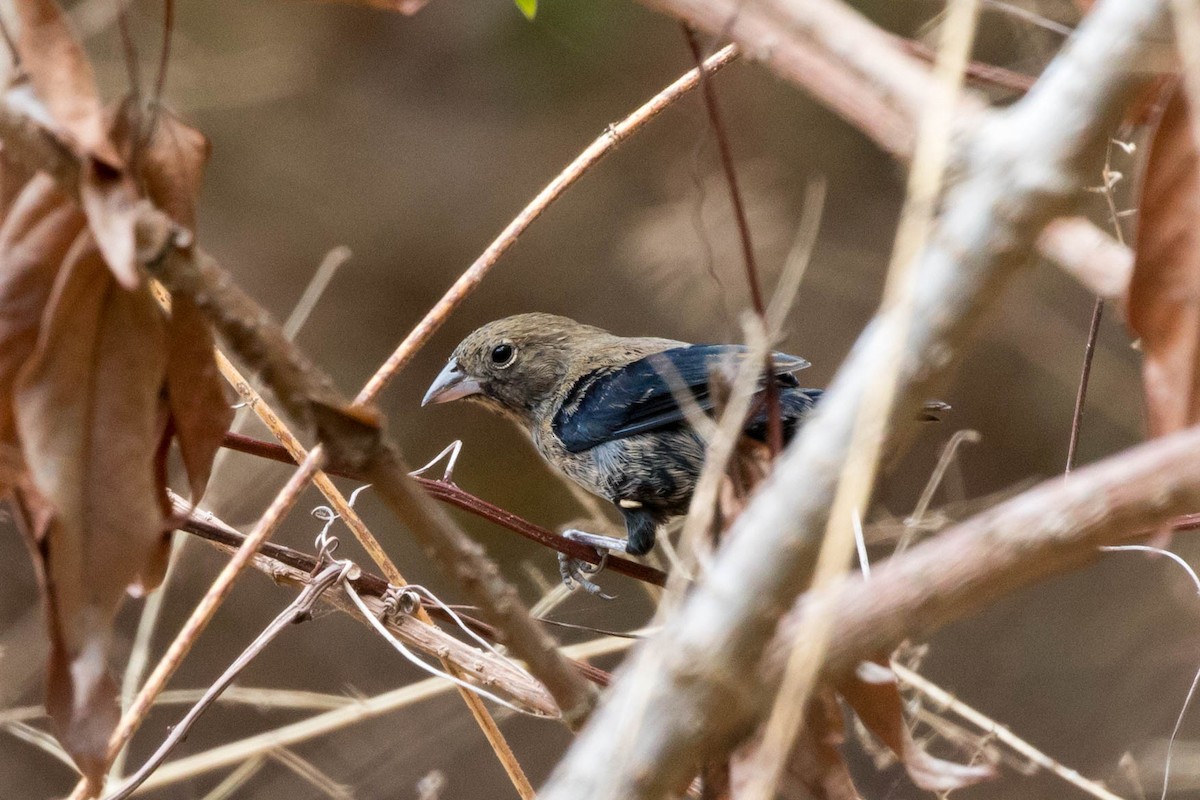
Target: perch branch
point(460, 498)
point(670, 705)
point(871, 79)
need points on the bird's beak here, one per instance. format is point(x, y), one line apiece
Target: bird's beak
point(451, 384)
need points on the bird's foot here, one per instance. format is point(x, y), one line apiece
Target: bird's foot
point(576, 571)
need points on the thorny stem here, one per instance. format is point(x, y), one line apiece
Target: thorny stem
point(203, 614)
point(275, 560)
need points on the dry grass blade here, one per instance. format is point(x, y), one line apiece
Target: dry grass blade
point(324, 724)
point(945, 701)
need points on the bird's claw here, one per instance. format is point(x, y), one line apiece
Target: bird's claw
point(576, 571)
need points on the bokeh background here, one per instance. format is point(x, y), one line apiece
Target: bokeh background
point(412, 141)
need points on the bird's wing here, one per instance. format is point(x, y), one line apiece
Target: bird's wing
point(638, 397)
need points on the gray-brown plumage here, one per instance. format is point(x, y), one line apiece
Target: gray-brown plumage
point(600, 409)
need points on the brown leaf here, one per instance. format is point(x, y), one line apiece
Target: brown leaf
point(196, 391)
point(110, 202)
point(62, 77)
point(172, 170)
point(874, 695)
point(1164, 294)
point(13, 177)
point(172, 167)
point(815, 767)
point(90, 416)
point(34, 239)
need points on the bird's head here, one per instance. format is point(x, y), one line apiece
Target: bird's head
point(514, 365)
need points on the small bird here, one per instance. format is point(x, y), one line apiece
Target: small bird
point(601, 409)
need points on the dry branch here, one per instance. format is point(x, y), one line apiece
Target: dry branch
point(291, 567)
point(873, 80)
point(460, 498)
point(669, 707)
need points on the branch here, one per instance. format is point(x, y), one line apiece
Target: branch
point(873, 80)
point(294, 568)
point(671, 706)
point(460, 498)
point(471, 278)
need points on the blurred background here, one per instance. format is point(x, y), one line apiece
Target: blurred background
point(413, 141)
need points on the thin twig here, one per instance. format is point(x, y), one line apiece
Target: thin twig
point(729, 169)
point(945, 701)
point(1089, 349)
point(470, 279)
point(298, 610)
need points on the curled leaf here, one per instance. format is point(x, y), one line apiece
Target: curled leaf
point(1164, 294)
point(172, 169)
point(62, 77)
point(34, 239)
point(874, 694)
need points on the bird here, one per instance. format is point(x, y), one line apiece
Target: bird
point(603, 410)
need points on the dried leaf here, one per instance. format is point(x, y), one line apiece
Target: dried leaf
point(1164, 294)
point(13, 177)
point(110, 201)
point(172, 167)
point(874, 694)
point(815, 767)
point(172, 170)
point(34, 239)
point(62, 77)
point(200, 407)
point(90, 416)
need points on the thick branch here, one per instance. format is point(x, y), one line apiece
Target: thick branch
point(1052, 528)
point(872, 80)
point(670, 705)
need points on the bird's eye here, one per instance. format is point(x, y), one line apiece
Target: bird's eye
point(503, 354)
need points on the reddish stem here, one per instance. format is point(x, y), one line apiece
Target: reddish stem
point(460, 498)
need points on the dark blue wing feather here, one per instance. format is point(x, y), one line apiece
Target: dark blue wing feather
point(636, 398)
